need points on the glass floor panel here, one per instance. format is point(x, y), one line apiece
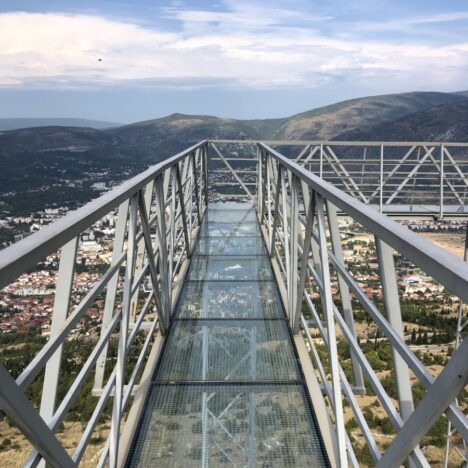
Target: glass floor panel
point(227, 425)
point(230, 300)
point(229, 350)
point(209, 229)
point(231, 216)
point(230, 246)
point(243, 206)
point(226, 391)
point(230, 268)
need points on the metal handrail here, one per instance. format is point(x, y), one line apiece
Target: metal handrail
point(177, 187)
point(279, 180)
point(21, 256)
point(448, 269)
point(278, 196)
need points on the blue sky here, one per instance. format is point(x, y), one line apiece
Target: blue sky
point(126, 61)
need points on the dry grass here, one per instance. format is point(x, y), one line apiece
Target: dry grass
point(70, 436)
point(451, 241)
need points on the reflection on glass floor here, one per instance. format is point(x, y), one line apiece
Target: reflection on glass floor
point(230, 300)
point(231, 216)
point(229, 350)
point(228, 390)
point(239, 229)
point(230, 246)
point(230, 269)
point(228, 425)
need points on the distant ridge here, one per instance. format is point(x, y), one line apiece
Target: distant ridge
point(17, 123)
point(448, 122)
point(52, 165)
point(316, 124)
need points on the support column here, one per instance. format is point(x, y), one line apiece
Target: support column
point(124, 321)
point(166, 286)
point(344, 291)
point(392, 307)
point(332, 346)
point(293, 249)
point(260, 183)
point(148, 196)
point(63, 291)
point(441, 214)
point(111, 292)
point(310, 213)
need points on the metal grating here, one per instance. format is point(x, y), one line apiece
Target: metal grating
point(229, 350)
point(230, 269)
point(228, 390)
point(230, 246)
point(230, 300)
point(228, 425)
point(231, 216)
point(240, 229)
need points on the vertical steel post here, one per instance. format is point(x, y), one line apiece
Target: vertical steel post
point(187, 238)
point(293, 248)
point(381, 177)
point(196, 192)
point(332, 345)
point(148, 196)
point(287, 245)
point(441, 181)
point(166, 289)
point(310, 213)
point(321, 160)
point(63, 291)
point(344, 291)
point(190, 191)
point(145, 228)
point(276, 214)
point(172, 223)
point(111, 292)
point(124, 320)
point(268, 193)
point(205, 173)
point(392, 307)
point(260, 183)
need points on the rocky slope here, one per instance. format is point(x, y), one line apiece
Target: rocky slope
point(447, 122)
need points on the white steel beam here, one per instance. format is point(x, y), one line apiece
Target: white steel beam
point(440, 395)
point(61, 305)
point(21, 412)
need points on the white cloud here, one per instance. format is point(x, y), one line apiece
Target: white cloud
point(60, 50)
point(407, 24)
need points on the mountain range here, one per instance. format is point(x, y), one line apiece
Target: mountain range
point(51, 159)
point(410, 115)
point(16, 123)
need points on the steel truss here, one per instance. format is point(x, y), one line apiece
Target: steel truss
point(159, 213)
point(312, 235)
point(158, 218)
point(396, 178)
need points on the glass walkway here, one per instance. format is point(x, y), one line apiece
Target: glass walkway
point(228, 389)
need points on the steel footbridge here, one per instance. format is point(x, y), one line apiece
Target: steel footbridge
point(228, 333)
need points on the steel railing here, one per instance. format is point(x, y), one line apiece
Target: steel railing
point(415, 178)
point(298, 210)
point(158, 216)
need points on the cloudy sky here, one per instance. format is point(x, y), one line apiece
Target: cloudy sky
point(125, 61)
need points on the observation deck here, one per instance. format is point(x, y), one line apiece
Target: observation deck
point(227, 331)
point(228, 389)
